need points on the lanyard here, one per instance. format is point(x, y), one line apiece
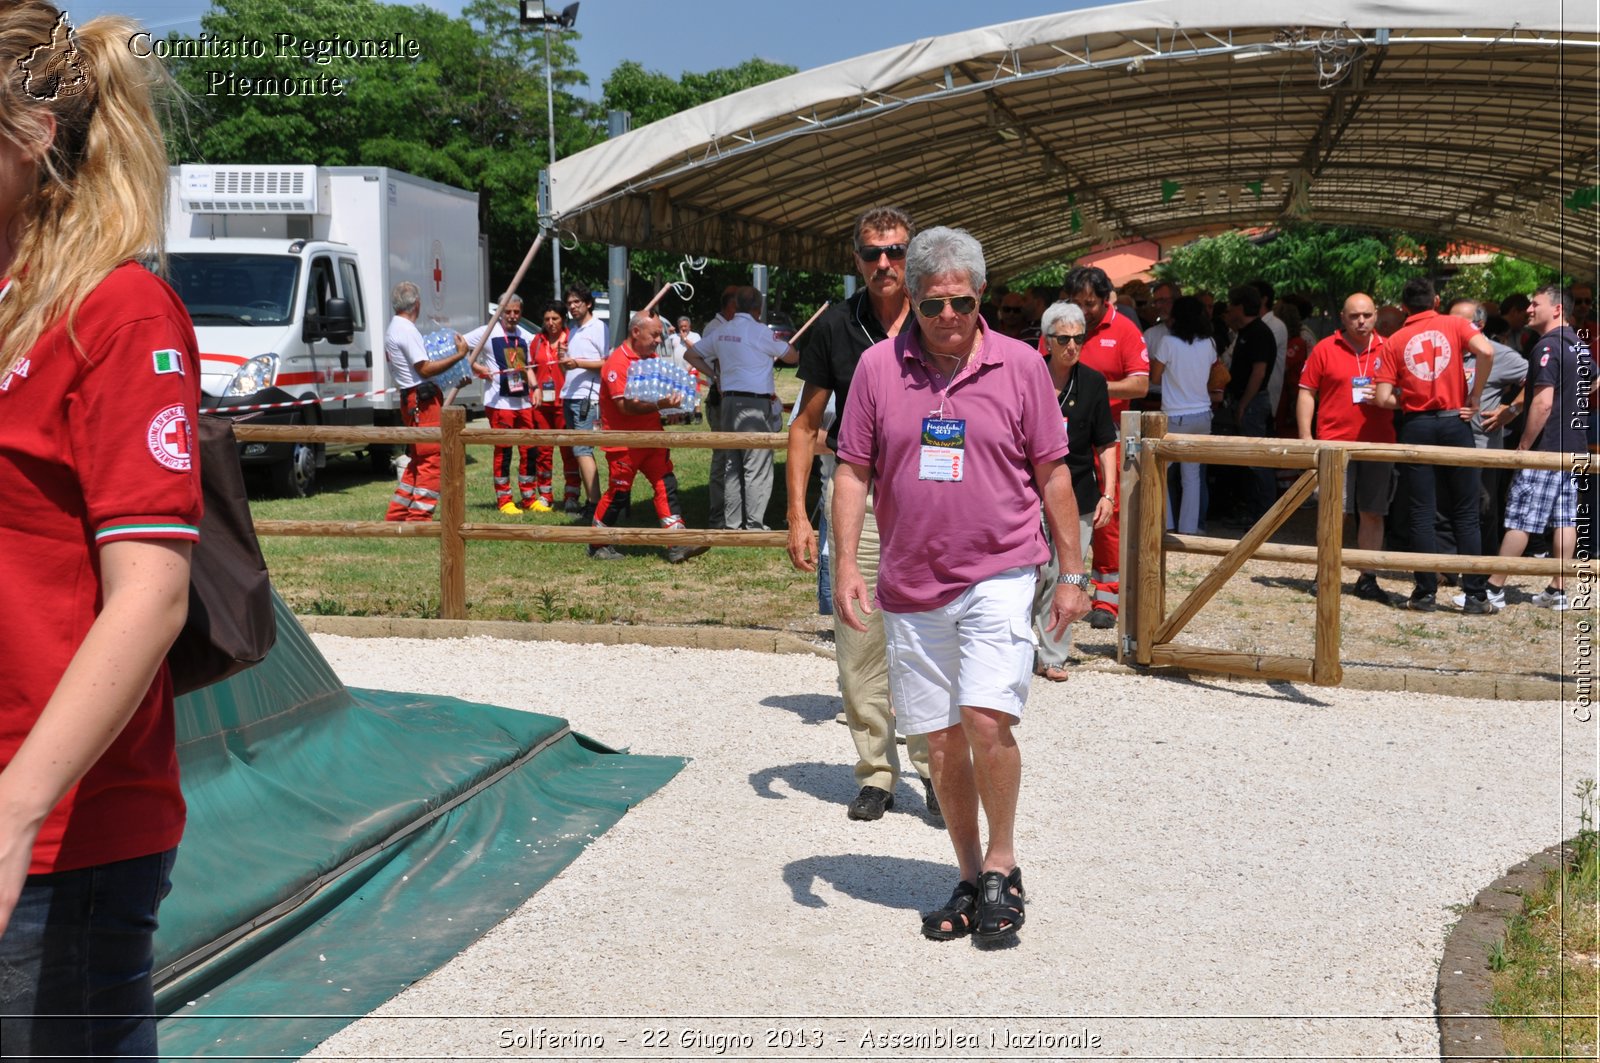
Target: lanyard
point(1365, 371)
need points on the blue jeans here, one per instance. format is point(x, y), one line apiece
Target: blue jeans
point(1263, 489)
point(75, 962)
point(581, 416)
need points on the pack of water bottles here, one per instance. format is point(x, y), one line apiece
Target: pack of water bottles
point(653, 379)
point(442, 344)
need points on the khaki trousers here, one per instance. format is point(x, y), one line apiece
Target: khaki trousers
point(864, 672)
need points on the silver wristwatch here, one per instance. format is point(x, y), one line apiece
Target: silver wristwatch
point(1073, 579)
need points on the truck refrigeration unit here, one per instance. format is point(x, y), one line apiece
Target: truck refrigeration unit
point(286, 271)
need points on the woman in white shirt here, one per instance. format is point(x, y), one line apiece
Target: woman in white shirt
point(1181, 366)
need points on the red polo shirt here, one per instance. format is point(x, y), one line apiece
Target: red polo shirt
point(1115, 349)
point(1424, 360)
point(96, 446)
point(613, 385)
point(1328, 372)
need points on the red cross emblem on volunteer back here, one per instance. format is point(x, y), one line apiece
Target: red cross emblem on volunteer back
point(1428, 354)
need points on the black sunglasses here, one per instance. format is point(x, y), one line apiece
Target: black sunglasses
point(1064, 339)
point(1011, 309)
point(871, 253)
point(961, 304)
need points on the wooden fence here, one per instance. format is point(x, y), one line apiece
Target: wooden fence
point(1144, 628)
point(452, 528)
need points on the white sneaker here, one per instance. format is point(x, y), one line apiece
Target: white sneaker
point(1551, 599)
point(1497, 599)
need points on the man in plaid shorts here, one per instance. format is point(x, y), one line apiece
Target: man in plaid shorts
point(1558, 422)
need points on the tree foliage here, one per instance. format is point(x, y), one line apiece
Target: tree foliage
point(650, 96)
point(1501, 276)
point(1324, 263)
point(469, 110)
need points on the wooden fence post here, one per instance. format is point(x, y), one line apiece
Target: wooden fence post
point(1127, 543)
point(1331, 464)
point(452, 514)
point(1149, 532)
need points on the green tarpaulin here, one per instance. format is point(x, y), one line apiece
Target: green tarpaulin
point(343, 843)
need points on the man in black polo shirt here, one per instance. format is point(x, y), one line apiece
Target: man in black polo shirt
point(828, 359)
point(1255, 352)
point(1562, 375)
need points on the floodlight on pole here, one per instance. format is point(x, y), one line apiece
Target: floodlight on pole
point(538, 13)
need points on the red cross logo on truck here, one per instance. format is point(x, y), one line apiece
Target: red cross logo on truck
point(436, 252)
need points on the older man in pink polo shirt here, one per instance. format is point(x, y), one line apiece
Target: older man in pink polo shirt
point(958, 432)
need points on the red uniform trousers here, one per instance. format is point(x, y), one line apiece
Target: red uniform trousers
point(1107, 553)
point(548, 415)
point(656, 464)
point(418, 494)
point(511, 419)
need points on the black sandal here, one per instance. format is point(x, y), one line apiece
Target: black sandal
point(960, 911)
point(1001, 901)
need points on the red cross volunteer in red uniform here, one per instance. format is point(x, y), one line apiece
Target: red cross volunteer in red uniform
point(1421, 371)
point(618, 413)
point(99, 383)
point(1115, 348)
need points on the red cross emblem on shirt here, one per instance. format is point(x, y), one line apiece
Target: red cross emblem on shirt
point(1428, 354)
point(175, 438)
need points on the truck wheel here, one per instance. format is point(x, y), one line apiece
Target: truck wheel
point(381, 455)
point(297, 477)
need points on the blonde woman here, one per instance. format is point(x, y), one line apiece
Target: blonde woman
point(99, 382)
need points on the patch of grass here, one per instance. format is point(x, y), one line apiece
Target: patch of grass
point(1548, 966)
point(740, 586)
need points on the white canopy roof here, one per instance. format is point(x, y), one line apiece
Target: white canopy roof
point(1053, 136)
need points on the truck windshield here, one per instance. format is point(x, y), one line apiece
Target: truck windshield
point(231, 289)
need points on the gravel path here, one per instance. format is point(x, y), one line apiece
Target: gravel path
point(1214, 869)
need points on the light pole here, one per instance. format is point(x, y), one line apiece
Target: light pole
point(537, 13)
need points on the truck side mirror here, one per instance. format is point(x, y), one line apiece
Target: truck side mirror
point(337, 324)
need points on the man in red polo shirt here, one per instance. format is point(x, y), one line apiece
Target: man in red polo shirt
point(618, 413)
point(1337, 385)
point(1115, 348)
point(1423, 363)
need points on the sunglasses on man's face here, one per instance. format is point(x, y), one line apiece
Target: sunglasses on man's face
point(1011, 309)
point(1061, 339)
point(873, 252)
point(961, 304)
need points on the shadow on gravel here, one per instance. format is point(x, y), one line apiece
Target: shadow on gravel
point(811, 708)
point(887, 881)
point(833, 783)
point(1274, 690)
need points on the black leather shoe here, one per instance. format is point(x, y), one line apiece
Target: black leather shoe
point(1367, 589)
point(1102, 619)
point(677, 555)
point(871, 803)
point(1421, 603)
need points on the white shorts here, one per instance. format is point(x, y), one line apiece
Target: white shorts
point(976, 651)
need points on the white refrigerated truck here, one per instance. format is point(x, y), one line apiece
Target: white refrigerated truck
point(286, 272)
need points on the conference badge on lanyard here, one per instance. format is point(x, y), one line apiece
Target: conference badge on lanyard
point(944, 448)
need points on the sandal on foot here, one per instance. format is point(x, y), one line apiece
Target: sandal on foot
point(960, 912)
point(1055, 673)
point(1000, 905)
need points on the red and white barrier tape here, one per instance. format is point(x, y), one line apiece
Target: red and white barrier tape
point(300, 402)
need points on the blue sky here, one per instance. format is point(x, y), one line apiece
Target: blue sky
point(695, 34)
